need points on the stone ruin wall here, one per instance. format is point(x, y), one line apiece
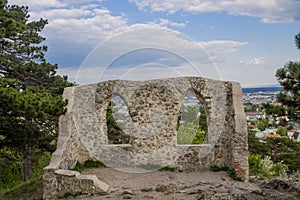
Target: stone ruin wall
point(153, 107)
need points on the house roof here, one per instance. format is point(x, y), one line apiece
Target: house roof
point(271, 135)
point(252, 113)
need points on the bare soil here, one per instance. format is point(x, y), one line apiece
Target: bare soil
point(167, 185)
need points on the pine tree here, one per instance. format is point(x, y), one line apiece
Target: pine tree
point(289, 78)
point(30, 90)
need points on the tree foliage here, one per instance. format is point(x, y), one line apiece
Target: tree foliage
point(279, 149)
point(192, 128)
point(263, 124)
point(289, 78)
point(21, 52)
point(115, 134)
point(265, 167)
point(281, 131)
point(297, 40)
point(188, 114)
point(30, 90)
point(190, 133)
point(274, 110)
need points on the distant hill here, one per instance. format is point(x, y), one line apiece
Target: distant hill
point(262, 89)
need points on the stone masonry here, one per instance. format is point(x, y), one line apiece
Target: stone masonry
point(153, 108)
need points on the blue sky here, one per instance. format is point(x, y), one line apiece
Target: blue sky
point(245, 40)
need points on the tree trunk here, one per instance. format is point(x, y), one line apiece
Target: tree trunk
point(22, 166)
point(28, 163)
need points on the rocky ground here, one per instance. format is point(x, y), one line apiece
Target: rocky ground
point(167, 185)
point(187, 186)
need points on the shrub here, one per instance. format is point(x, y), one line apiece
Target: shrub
point(168, 168)
point(216, 168)
point(281, 131)
point(87, 165)
point(24, 188)
point(295, 176)
point(230, 171)
point(255, 163)
point(10, 171)
point(266, 168)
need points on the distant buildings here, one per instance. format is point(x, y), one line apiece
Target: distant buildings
point(191, 100)
point(253, 102)
point(260, 97)
point(254, 116)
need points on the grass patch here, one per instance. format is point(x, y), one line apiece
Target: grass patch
point(24, 188)
point(168, 168)
point(232, 174)
point(230, 171)
point(151, 166)
point(68, 194)
point(216, 168)
point(88, 165)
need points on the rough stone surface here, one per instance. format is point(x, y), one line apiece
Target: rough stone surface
point(166, 185)
point(153, 109)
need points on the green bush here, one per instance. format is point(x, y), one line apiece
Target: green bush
point(280, 149)
point(88, 165)
point(266, 168)
point(216, 168)
point(295, 176)
point(42, 161)
point(281, 131)
point(10, 173)
point(168, 168)
point(255, 164)
point(24, 188)
point(230, 171)
point(261, 126)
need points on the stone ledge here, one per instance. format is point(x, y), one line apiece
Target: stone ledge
point(96, 181)
point(72, 182)
point(95, 184)
point(67, 173)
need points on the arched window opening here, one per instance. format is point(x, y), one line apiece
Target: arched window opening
point(192, 123)
point(116, 119)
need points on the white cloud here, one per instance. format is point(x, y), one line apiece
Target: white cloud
point(252, 74)
point(37, 4)
point(146, 49)
point(166, 22)
point(62, 13)
point(254, 61)
point(78, 27)
point(147, 71)
point(219, 48)
point(74, 23)
point(269, 11)
point(86, 28)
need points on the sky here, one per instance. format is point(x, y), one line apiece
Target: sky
point(235, 40)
